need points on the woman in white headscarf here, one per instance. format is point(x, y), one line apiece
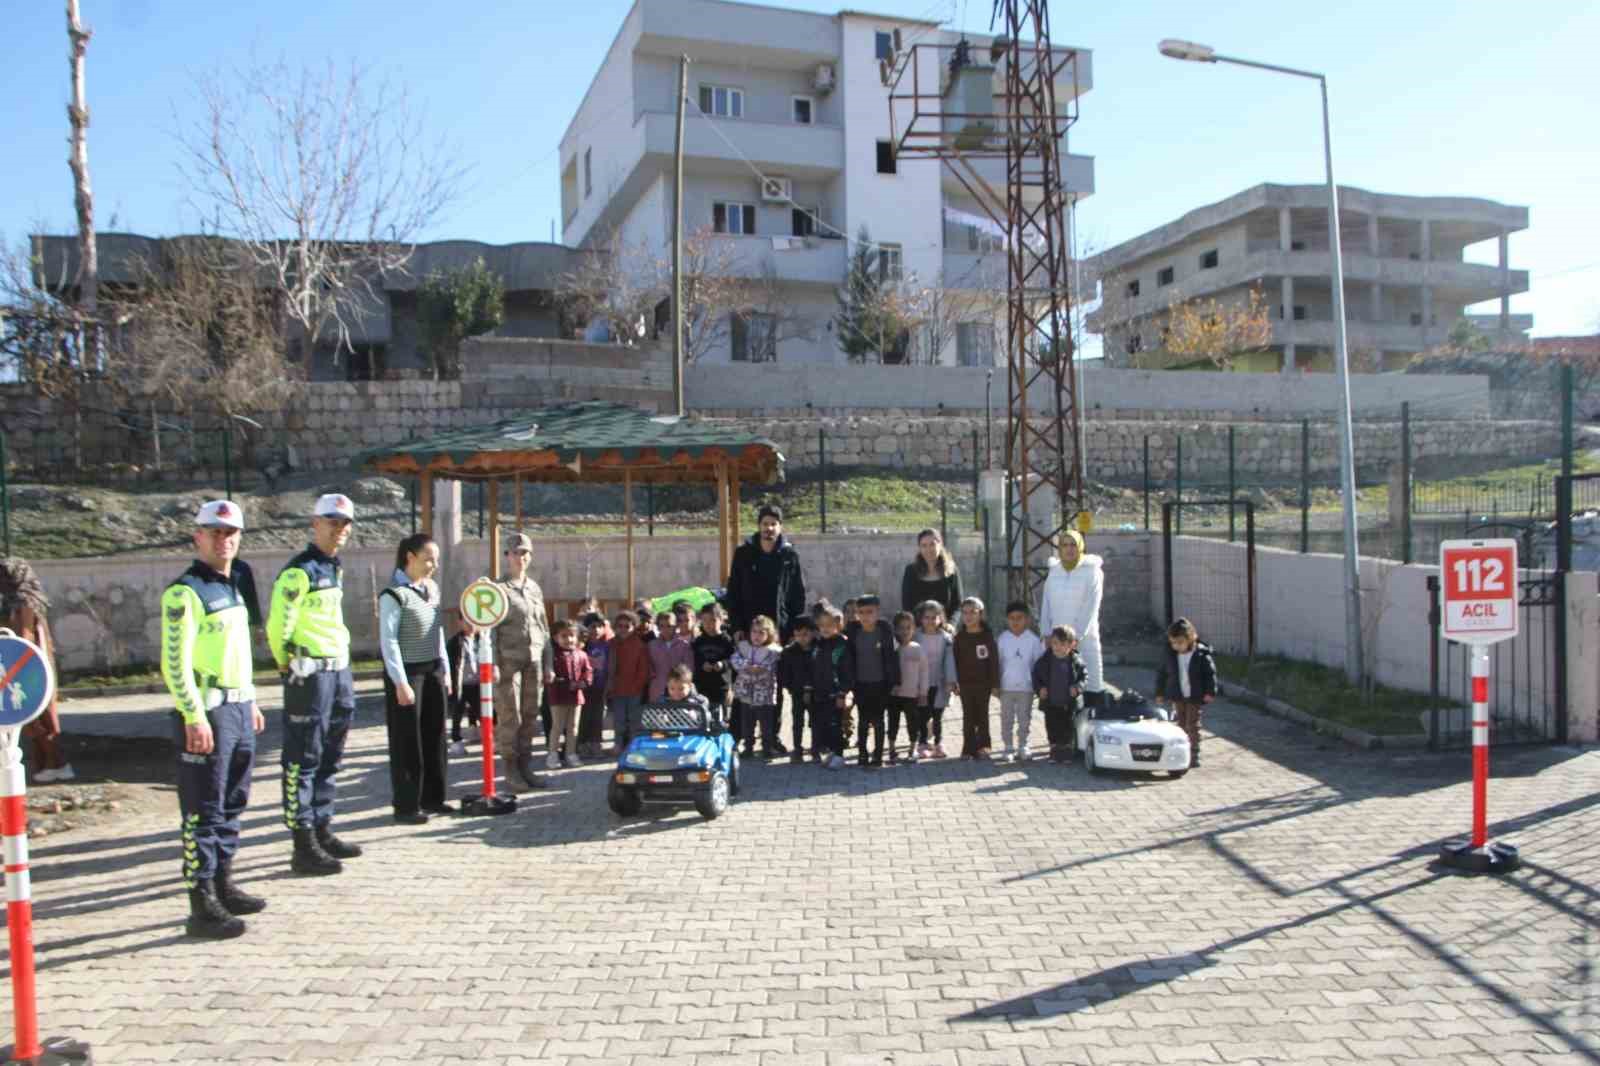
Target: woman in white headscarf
point(1071, 597)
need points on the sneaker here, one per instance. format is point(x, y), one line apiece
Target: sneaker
point(1007, 755)
point(894, 757)
point(1023, 754)
point(574, 760)
point(44, 777)
point(938, 752)
point(797, 758)
point(778, 748)
point(983, 754)
point(457, 748)
point(66, 773)
point(552, 761)
point(836, 762)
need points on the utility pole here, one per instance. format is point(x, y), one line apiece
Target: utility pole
point(678, 316)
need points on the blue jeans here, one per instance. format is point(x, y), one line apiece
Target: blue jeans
point(624, 711)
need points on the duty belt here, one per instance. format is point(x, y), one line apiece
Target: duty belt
point(216, 697)
point(306, 665)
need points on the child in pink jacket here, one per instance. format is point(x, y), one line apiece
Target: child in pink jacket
point(913, 686)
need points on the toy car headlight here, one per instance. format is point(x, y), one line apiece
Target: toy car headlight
point(634, 758)
point(1110, 740)
point(691, 759)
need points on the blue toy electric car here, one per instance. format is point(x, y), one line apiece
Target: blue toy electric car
point(679, 753)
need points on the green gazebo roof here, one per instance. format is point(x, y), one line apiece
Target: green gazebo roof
point(584, 442)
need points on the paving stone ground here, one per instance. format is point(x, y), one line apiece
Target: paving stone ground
point(1280, 904)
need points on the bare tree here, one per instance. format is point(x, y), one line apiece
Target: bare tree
point(42, 335)
point(82, 196)
point(942, 308)
point(626, 283)
point(769, 316)
point(204, 335)
point(325, 175)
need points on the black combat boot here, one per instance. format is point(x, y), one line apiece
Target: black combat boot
point(309, 858)
point(333, 845)
point(207, 916)
point(234, 899)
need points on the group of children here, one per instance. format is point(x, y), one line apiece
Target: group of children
point(844, 670)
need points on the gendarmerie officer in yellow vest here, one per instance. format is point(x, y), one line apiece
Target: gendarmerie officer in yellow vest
point(206, 663)
point(309, 642)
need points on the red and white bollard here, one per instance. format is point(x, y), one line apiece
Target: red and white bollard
point(19, 903)
point(487, 802)
point(27, 1048)
point(1478, 855)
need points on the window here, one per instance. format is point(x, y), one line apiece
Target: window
point(1133, 288)
point(1299, 312)
point(890, 262)
point(733, 218)
point(1416, 317)
point(803, 222)
point(883, 40)
point(754, 338)
point(1208, 260)
point(886, 161)
point(1135, 344)
point(801, 108)
point(722, 101)
point(974, 344)
point(588, 172)
point(898, 350)
point(1164, 277)
point(1297, 246)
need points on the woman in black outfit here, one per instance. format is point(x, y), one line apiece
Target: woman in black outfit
point(416, 683)
point(932, 575)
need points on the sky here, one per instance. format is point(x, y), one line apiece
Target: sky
point(1429, 97)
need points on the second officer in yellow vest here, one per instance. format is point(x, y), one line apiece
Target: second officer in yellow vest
point(309, 642)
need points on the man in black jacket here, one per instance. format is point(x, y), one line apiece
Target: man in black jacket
point(765, 579)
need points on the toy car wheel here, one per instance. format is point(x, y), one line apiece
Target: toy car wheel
point(714, 800)
point(733, 775)
point(624, 800)
point(1091, 763)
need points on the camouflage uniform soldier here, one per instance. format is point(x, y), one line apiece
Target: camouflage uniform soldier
point(522, 665)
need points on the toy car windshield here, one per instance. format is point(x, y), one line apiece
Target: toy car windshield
point(1126, 712)
point(683, 717)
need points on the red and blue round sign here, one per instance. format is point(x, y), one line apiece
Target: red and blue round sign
point(26, 681)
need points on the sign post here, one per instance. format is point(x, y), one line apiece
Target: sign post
point(26, 688)
point(1479, 579)
point(483, 603)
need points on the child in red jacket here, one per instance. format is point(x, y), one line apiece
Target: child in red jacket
point(574, 673)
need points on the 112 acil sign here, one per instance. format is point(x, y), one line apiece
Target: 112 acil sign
point(1479, 579)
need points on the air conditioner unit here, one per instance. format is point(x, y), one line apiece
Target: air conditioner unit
point(822, 80)
point(788, 244)
point(777, 190)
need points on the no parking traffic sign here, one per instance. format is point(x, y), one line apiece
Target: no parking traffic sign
point(483, 603)
point(26, 683)
point(1479, 578)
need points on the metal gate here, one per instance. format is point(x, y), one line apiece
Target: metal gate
point(1527, 675)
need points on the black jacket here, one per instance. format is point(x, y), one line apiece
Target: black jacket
point(1202, 675)
point(796, 670)
point(715, 650)
point(768, 583)
point(833, 669)
point(888, 653)
point(915, 588)
point(1056, 677)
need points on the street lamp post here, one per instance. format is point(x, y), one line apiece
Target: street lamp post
point(1355, 662)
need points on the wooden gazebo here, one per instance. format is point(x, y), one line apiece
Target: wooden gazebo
point(587, 443)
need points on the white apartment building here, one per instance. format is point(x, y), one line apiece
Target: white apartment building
point(1407, 280)
point(795, 156)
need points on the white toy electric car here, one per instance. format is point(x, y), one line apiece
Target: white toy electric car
point(1131, 733)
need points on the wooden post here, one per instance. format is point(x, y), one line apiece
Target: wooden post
point(425, 503)
point(627, 518)
point(494, 529)
point(733, 507)
point(517, 488)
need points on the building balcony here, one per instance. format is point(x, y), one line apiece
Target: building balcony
point(1077, 174)
point(975, 270)
point(789, 149)
point(795, 260)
